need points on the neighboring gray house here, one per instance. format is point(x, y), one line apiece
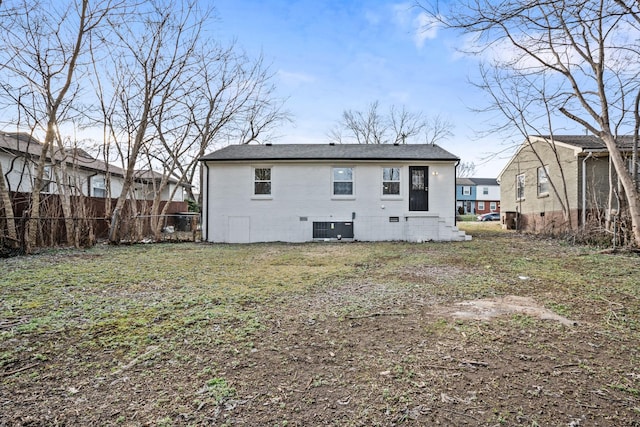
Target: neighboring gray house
point(19, 154)
point(526, 190)
point(306, 192)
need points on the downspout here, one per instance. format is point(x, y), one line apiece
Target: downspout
point(205, 230)
point(89, 178)
point(455, 193)
point(584, 189)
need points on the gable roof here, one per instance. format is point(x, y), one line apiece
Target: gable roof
point(484, 181)
point(465, 181)
point(580, 144)
point(476, 181)
point(330, 152)
point(589, 142)
point(25, 144)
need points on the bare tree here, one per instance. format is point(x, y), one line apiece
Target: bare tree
point(436, 128)
point(466, 169)
point(515, 97)
point(586, 52)
point(6, 206)
point(228, 99)
point(399, 126)
point(176, 92)
point(155, 47)
point(43, 47)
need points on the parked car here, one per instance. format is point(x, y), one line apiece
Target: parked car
point(493, 216)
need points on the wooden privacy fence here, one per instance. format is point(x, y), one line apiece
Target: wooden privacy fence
point(91, 218)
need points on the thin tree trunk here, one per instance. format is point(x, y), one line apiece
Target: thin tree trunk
point(628, 185)
point(5, 203)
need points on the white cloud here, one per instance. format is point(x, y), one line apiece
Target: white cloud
point(402, 14)
point(426, 28)
point(421, 26)
point(619, 43)
point(295, 79)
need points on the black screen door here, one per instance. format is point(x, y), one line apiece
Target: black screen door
point(418, 188)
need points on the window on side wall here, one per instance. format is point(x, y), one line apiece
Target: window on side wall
point(520, 187)
point(543, 181)
point(262, 181)
point(98, 187)
point(46, 179)
point(390, 181)
point(630, 167)
point(342, 181)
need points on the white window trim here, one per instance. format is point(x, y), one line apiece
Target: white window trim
point(93, 187)
point(255, 196)
point(524, 186)
point(480, 205)
point(464, 190)
point(493, 206)
point(546, 174)
point(399, 181)
point(351, 196)
point(48, 178)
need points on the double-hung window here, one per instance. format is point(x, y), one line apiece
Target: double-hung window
point(466, 190)
point(520, 187)
point(342, 181)
point(630, 169)
point(47, 179)
point(390, 181)
point(543, 181)
point(98, 186)
point(262, 181)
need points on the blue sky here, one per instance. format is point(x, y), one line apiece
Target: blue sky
point(336, 55)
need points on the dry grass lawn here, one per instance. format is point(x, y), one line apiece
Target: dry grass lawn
point(501, 330)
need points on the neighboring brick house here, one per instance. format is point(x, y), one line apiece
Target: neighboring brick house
point(477, 195)
point(527, 182)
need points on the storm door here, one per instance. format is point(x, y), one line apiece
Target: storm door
point(418, 188)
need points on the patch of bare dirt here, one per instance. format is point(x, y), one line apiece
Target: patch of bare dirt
point(487, 309)
point(359, 355)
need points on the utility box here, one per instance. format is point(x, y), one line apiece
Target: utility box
point(333, 230)
point(510, 220)
point(185, 221)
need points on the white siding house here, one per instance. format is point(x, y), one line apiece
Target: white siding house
point(306, 192)
point(19, 154)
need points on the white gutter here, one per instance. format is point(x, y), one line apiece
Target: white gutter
point(584, 189)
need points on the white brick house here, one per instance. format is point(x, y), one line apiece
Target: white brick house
point(306, 192)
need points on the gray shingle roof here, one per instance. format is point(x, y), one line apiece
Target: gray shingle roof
point(330, 152)
point(25, 144)
point(485, 181)
point(464, 181)
point(590, 142)
point(476, 181)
